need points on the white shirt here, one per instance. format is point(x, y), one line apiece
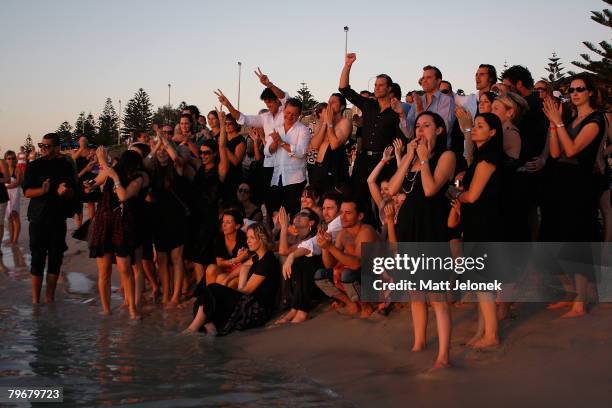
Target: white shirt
point(333, 228)
point(291, 166)
point(268, 122)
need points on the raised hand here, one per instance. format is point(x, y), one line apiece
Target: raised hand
point(423, 149)
point(101, 155)
point(265, 81)
point(464, 117)
point(387, 153)
point(397, 107)
point(62, 189)
point(397, 147)
point(222, 98)
point(328, 115)
point(552, 112)
point(389, 212)
point(254, 135)
point(283, 218)
point(350, 58)
point(412, 147)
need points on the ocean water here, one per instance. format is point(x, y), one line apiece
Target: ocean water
point(109, 361)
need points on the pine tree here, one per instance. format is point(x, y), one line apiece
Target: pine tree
point(79, 127)
point(137, 116)
point(65, 132)
point(555, 71)
point(28, 145)
point(504, 68)
point(108, 125)
point(308, 101)
point(90, 127)
point(167, 115)
point(601, 68)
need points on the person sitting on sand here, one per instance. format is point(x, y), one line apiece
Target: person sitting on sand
point(342, 259)
point(299, 266)
point(221, 310)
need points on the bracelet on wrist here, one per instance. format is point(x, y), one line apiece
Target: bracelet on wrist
point(559, 125)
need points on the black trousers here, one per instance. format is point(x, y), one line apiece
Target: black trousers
point(299, 288)
point(47, 243)
point(364, 164)
point(288, 196)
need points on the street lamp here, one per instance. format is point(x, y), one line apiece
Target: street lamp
point(169, 95)
point(370, 80)
point(346, 40)
point(239, 75)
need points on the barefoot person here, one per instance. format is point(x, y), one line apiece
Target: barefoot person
point(14, 194)
point(114, 227)
point(221, 310)
point(342, 258)
point(49, 183)
point(424, 174)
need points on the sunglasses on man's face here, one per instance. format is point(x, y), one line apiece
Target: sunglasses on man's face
point(44, 146)
point(580, 89)
point(445, 91)
point(244, 190)
point(205, 152)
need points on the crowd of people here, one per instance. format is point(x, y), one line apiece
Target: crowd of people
point(246, 216)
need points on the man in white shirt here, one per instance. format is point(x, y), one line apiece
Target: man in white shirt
point(274, 99)
point(288, 144)
point(300, 266)
point(486, 77)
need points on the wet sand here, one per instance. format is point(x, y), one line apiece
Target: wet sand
point(330, 360)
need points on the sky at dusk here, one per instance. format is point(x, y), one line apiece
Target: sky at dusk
point(59, 58)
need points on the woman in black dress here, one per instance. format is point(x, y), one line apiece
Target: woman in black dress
point(232, 147)
point(574, 188)
point(330, 168)
point(480, 209)
point(86, 162)
point(114, 229)
point(424, 175)
point(221, 310)
point(204, 202)
point(169, 206)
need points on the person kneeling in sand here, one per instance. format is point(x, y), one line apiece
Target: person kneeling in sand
point(342, 259)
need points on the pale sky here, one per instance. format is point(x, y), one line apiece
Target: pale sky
point(59, 58)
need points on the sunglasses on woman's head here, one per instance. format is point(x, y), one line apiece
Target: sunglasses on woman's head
point(580, 89)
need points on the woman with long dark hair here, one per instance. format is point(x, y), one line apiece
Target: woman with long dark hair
point(424, 175)
point(114, 230)
point(14, 194)
point(479, 208)
point(574, 188)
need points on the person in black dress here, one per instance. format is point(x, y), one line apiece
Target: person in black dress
point(204, 202)
point(114, 227)
point(85, 159)
point(479, 207)
point(232, 147)
point(574, 188)
point(221, 310)
point(423, 175)
point(330, 168)
point(169, 189)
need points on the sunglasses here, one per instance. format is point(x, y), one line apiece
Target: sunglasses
point(205, 152)
point(168, 132)
point(244, 190)
point(540, 89)
point(580, 89)
point(44, 146)
point(445, 91)
point(11, 158)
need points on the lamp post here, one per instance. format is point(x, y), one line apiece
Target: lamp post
point(346, 40)
point(370, 80)
point(239, 75)
point(119, 132)
point(169, 95)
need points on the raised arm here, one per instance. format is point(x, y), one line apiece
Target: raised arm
point(344, 86)
point(265, 81)
point(374, 189)
point(223, 160)
point(225, 102)
point(398, 178)
point(432, 183)
point(571, 147)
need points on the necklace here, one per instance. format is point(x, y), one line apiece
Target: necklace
point(412, 180)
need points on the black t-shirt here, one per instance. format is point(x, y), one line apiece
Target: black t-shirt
point(269, 268)
point(49, 206)
point(533, 129)
point(221, 250)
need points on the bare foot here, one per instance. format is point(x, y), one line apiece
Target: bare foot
point(287, 317)
point(440, 364)
point(420, 346)
point(210, 328)
point(105, 312)
point(577, 310)
point(300, 316)
point(349, 309)
point(474, 339)
point(484, 342)
point(171, 305)
point(559, 305)
point(366, 310)
point(134, 315)
point(335, 305)
point(189, 331)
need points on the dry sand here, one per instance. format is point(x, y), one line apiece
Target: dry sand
point(543, 360)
